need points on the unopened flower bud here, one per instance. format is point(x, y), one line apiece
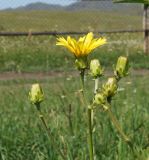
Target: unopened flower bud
point(110, 87)
point(122, 67)
point(101, 99)
point(36, 94)
point(81, 63)
point(95, 68)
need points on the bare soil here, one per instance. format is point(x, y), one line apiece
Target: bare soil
point(52, 74)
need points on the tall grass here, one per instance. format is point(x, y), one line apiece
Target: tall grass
point(22, 137)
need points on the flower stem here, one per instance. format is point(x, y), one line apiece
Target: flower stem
point(117, 125)
point(48, 131)
point(82, 73)
point(124, 136)
point(90, 137)
point(96, 85)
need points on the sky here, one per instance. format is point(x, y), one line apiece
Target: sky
point(15, 3)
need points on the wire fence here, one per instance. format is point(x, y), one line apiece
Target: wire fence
point(78, 16)
point(72, 17)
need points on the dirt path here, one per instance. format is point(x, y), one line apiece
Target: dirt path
point(50, 74)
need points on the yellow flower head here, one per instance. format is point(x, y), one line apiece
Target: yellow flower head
point(83, 46)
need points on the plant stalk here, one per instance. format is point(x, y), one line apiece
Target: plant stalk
point(48, 131)
point(117, 125)
point(90, 136)
point(89, 114)
point(96, 85)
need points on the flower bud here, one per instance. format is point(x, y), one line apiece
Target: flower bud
point(109, 89)
point(101, 99)
point(36, 94)
point(95, 68)
point(122, 67)
point(81, 63)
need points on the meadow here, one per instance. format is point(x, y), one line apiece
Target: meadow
point(22, 136)
point(64, 20)
point(30, 54)
point(40, 54)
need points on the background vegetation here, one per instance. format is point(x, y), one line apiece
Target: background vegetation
point(21, 134)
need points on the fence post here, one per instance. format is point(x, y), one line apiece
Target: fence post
point(146, 28)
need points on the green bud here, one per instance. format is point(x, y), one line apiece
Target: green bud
point(101, 99)
point(81, 63)
point(110, 87)
point(122, 67)
point(95, 68)
point(36, 94)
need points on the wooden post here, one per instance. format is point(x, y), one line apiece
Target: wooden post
point(146, 28)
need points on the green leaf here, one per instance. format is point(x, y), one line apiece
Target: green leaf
point(131, 1)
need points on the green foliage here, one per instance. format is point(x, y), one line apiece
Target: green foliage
point(132, 1)
point(41, 54)
point(22, 136)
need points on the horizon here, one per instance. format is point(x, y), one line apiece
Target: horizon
point(17, 3)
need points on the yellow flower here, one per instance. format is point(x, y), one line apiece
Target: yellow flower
point(83, 46)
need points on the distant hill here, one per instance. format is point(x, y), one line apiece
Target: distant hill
point(88, 5)
point(39, 6)
point(102, 5)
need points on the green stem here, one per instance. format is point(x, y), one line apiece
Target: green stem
point(82, 73)
point(117, 125)
point(123, 135)
point(48, 131)
point(96, 85)
point(90, 137)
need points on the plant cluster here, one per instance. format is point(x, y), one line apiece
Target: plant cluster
point(102, 96)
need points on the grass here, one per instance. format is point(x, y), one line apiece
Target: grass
point(34, 54)
point(22, 136)
point(41, 53)
point(64, 20)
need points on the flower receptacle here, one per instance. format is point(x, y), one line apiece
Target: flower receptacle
point(81, 63)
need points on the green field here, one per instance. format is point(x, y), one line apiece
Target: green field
point(21, 133)
point(68, 21)
point(41, 53)
point(33, 54)
point(22, 136)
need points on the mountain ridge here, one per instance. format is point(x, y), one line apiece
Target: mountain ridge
point(80, 6)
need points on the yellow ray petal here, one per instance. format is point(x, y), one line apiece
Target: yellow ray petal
point(97, 43)
point(87, 41)
point(63, 42)
point(81, 39)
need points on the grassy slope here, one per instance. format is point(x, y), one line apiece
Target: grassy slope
point(67, 20)
point(22, 136)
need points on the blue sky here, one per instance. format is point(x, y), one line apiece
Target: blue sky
point(16, 3)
